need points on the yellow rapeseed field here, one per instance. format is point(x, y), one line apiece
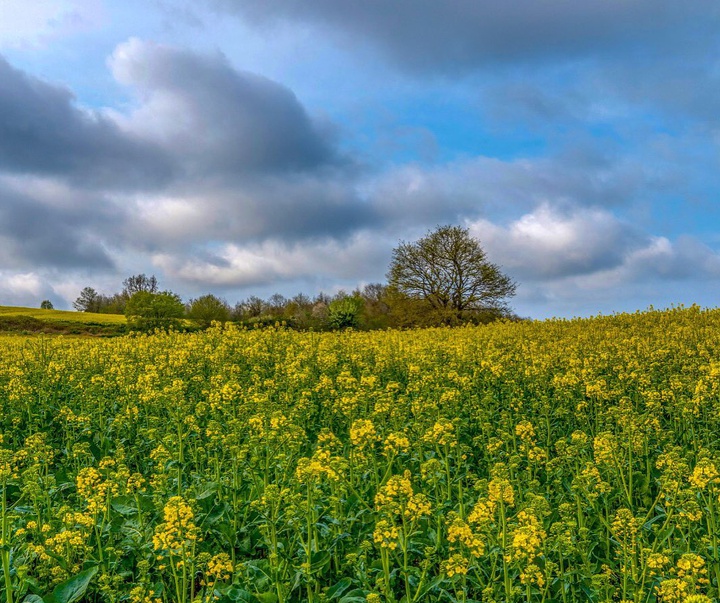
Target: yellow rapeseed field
point(555, 461)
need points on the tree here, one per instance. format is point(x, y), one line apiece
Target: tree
point(450, 272)
point(344, 311)
point(208, 308)
point(147, 311)
point(254, 306)
point(139, 282)
point(47, 305)
point(88, 301)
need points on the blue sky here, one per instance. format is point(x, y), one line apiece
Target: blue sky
point(244, 148)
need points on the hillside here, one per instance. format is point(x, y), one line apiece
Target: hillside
point(15, 319)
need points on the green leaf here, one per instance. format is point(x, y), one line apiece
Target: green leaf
point(120, 504)
point(319, 560)
point(428, 587)
point(32, 599)
point(338, 589)
point(210, 489)
point(72, 589)
point(238, 594)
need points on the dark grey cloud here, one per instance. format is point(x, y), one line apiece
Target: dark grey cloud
point(291, 207)
point(35, 234)
point(216, 119)
point(42, 131)
point(457, 34)
point(207, 154)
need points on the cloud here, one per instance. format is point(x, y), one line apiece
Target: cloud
point(591, 248)
point(222, 180)
point(207, 154)
point(363, 254)
point(549, 244)
point(577, 176)
point(27, 24)
point(55, 226)
point(460, 34)
point(43, 132)
point(215, 119)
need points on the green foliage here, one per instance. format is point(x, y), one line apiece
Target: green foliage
point(344, 312)
point(146, 311)
point(47, 305)
point(73, 589)
point(88, 301)
point(35, 320)
point(207, 309)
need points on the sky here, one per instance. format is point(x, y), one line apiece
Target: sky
point(248, 147)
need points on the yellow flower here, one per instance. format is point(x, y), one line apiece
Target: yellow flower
point(672, 591)
point(501, 490)
point(625, 526)
point(321, 464)
point(386, 535)
point(460, 533)
point(363, 433)
point(698, 599)
point(395, 443)
point(441, 433)
point(219, 567)
point(532, 575)
point(525, 431)
point(528, 537)
point(704, 473)
point(456, 565)
point(177, 534)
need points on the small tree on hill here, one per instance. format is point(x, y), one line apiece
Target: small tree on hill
point(146, 311)
point(449, 271)
point(47, 305)
point(88, 301)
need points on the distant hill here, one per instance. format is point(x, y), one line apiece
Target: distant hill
point(15, 319)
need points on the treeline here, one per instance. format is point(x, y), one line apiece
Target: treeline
point(444, 278)
point(375, 306)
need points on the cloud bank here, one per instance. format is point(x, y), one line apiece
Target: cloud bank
point(221, 179)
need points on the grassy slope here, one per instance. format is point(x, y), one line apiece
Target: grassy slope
point(34, 320)
point(63, 315)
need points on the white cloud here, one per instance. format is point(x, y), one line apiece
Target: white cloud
point(364, 255)
point(22, 283)
point(547, 243)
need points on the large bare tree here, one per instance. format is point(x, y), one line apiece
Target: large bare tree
point(449, 270)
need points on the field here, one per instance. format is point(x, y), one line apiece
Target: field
point(556, 461)
point(35, 320)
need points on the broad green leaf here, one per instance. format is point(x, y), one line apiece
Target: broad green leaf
point(72, 589)
point(338, 589)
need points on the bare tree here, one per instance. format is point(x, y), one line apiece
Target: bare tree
point(450, 271)
point(139, 282)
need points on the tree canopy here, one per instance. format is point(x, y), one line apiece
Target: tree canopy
point(450, 272)
point(208, 308)
point(147, 311)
